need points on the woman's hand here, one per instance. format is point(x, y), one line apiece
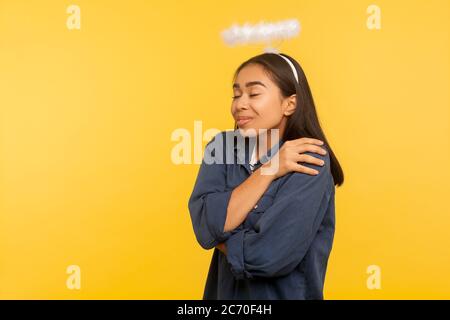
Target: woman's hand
point(290, 154)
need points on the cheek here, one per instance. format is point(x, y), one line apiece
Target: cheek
point(269, 114)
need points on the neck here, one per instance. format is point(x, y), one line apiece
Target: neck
point(266, 140)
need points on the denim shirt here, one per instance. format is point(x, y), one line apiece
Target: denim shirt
point(281, 249)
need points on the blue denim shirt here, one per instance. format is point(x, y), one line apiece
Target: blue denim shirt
point(282, 248)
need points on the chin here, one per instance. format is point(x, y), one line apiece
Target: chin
point(253, 132)
point(248, 132)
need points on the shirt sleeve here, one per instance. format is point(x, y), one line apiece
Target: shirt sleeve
point(209, 200)
point(282, 236)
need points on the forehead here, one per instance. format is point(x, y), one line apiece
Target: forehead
point(253, 72)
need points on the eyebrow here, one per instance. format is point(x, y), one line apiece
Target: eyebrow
point(249, 84)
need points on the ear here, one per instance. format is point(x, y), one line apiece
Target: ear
point(291, 105)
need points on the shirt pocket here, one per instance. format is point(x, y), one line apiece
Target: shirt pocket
point(263, 203)
point(261, 206)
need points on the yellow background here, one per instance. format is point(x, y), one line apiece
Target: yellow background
point(87, 117)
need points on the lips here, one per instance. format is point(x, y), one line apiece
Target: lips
point(243, 120)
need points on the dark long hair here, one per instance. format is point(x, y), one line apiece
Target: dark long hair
point(304, 121)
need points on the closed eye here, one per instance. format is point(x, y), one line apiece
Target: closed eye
point(252, 95)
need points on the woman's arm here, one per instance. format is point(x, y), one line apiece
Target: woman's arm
point(209, 201)
point(282, 236)
point(246, 195)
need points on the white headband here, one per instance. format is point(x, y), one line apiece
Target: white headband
point(291, 65)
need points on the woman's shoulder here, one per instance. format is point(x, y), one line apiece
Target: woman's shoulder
point(219, 147)
point(323, 179)
point(224, 145)
point(222, 139)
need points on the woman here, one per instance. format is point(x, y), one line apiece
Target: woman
point(271, 219)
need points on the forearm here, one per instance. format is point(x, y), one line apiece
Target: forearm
point(244, 197)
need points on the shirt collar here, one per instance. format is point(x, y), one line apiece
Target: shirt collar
point(239, 149)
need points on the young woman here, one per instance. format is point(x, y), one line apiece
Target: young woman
point(272, 230)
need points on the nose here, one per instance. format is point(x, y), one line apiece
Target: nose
point(242, 104)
